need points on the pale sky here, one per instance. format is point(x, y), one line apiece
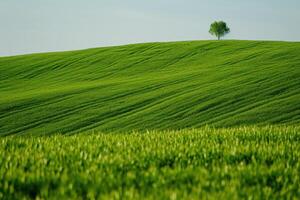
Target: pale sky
point(31, 26)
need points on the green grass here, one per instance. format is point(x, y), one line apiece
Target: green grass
point(206, 163)
point(155, 86)
point(142, 111)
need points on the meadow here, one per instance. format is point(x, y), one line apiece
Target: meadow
point(154, 86)
point(206, 163)
point(177, 120)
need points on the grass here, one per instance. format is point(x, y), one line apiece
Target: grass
point(154, 86)
point(182, 120)
point(207, 163)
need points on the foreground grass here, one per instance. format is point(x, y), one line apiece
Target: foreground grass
point(238, 163)
point(164, 85)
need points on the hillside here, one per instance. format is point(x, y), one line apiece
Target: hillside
point(151, 86)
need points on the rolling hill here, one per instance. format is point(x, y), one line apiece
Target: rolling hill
point(166, 86)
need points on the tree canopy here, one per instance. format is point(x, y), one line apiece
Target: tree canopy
point(219, 29)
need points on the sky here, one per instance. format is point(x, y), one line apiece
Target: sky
point(34, 26)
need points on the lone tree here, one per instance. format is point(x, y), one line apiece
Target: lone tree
point(219, 29)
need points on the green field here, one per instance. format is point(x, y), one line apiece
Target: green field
point(206, 163)
point(180, 120)
point(155, 86)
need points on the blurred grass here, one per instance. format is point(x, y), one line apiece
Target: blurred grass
point(153, 86)
point(207, 163)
